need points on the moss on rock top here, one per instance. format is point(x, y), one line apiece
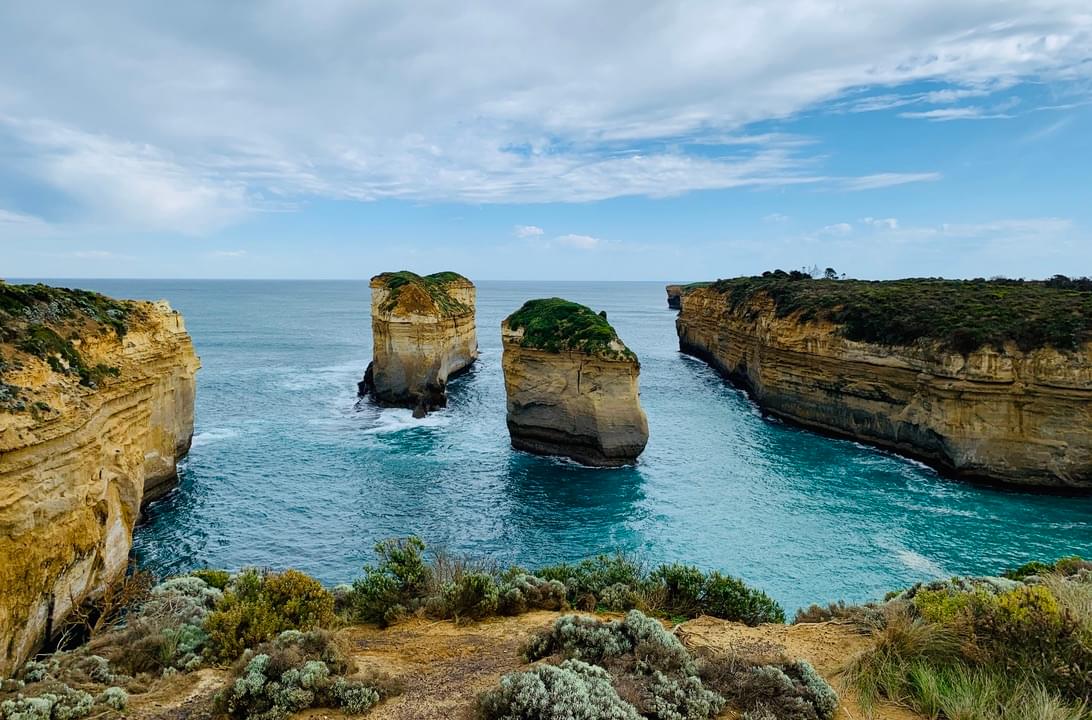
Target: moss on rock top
point(435, 286)
point(556, 325)
point(961, 315)
point(42, 321)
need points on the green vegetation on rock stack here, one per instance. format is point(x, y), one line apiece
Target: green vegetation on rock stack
point(42, 321)
point(556, 325)
point(434, 285)
point(962, 315)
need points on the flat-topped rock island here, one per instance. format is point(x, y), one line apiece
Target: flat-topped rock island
point(572, 385)
point(423, 333)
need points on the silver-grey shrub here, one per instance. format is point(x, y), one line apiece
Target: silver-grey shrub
point(573, 690)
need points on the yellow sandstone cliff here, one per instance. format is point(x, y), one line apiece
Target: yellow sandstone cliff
point(567, 397)
point(1009, 416)
point(423, 333)
point(90, 429)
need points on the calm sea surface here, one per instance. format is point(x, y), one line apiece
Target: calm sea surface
point(288, 469)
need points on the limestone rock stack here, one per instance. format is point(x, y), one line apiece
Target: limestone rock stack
point(674, 297)
point(96, 407)
point(572, 385)
point(423, 333)
point(1001, 414)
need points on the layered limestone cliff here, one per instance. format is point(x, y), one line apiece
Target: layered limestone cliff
point(423, 334)
point(999, 412)
point(96, 407)
point(572, 385)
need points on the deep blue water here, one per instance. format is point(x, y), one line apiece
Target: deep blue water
point(287, 470)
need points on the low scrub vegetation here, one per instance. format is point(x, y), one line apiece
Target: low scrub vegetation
point(961, 315)
point(634, 668)
point(1004, 648)
point(435, 286)
point(296, 671)
point(555, 325)
point(403, 582)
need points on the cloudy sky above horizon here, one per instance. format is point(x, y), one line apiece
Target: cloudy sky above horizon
point(598, 139)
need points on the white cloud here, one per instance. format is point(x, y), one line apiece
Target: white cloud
point(885, 180)
point(228, 253)
point(154, 118)
point(954, 113)
point(777, 218)
point(7, 217)
point(528, 231)
point(882, 223)
point(837, 229)
point(580, 242)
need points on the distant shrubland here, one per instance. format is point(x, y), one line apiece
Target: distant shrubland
point(961, 315)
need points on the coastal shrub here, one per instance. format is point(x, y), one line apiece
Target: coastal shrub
point(1067, 566)
point(294, 672)
point(648, 670)
point(761, 687)
point(555, 325)
point(683, 588)
point(961, 315)
point(166, 631)
point(649, 667)
point(399, 583)
point(54, 702)
point(727, 597)
point(573, 690)
point(257, 606)
point(113, 697)
point(521, 592)
point(217, 579)
point(474, 597)
point(592, 576)
point(964, 646)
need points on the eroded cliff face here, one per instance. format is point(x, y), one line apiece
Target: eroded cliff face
point(1022, 418)
point(77, 462)
point(674, 297)
point(423, 333)
point(573, 404)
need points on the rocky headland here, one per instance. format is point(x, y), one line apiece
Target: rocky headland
point(988, 380)
point(423, 334)
point(572, 385)
point(674, 296)
point(96, 407)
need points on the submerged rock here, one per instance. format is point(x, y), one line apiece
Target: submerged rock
point(572, 385)
point(423, 333)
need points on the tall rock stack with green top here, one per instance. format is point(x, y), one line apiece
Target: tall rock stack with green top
point(572, 385)
point(423, 333)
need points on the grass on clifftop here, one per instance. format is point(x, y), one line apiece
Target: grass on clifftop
point(555, 325)
point(41, 321)
point(434, 285)
point(962, 315)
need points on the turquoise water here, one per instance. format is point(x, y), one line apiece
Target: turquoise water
point(288, 470)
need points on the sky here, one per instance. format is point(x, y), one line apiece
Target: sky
point(569, 140)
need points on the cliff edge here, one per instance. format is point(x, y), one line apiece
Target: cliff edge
point(96, 407)
point(572, 385)
point(423, 333)
point(988, 380)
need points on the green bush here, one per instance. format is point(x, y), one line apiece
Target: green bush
point(399, 583)
point(556, 325)
point(727, 597)
point(474, 597)
point(683, 588)
point(521, 592)
point(594, 575)
point(218, 579)
point(258, 606)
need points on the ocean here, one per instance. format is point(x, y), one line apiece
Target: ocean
point(288, 469)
